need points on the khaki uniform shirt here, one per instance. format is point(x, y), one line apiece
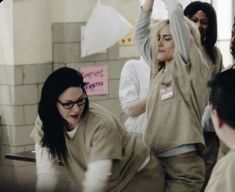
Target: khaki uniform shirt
point(100, 136)
point(176, 120)
point(216, 67)
point(223, 174)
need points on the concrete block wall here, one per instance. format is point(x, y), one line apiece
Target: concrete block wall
point(19, 94)
point(20, 89)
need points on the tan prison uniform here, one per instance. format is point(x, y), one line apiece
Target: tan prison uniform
point(176, 100)
point(178, 93)
point(100, 136)
point(223, 175)
point(216, 67)
point(176, 120)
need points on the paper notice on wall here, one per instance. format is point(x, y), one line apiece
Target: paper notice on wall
point(96, 78)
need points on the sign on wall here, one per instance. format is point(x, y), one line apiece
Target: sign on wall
point(96, 78)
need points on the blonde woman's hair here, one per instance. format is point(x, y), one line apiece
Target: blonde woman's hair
point(155, 28)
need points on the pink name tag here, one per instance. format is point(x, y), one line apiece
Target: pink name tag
point(166, 93)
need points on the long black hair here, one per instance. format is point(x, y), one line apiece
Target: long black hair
point(232, 42)
point(211, 35)
point(53, 125)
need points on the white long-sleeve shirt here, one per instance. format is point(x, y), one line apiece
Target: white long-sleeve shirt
point(133, 86)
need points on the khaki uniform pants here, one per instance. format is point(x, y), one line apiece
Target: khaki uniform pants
point(149, 179)
point(184, 173)
point(210, 154)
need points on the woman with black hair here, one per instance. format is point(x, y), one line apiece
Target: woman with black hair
point(96, 151)
point(204, 16)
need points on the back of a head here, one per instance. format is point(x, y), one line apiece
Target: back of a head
point(222, 96)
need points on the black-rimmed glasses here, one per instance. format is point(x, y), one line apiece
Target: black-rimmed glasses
point(70, 104)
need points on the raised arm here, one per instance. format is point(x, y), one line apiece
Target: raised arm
point(142, 33)
point(179, 28)
point(148, 5)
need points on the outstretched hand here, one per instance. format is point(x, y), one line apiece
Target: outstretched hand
point(148, 5)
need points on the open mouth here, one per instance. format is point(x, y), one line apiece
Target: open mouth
point(75, 117)
point(161, 51)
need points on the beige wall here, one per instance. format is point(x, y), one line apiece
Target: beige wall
point(32, 43)
point(32, 32)
point(80, 10)
point(224, 28)
point(6, 33)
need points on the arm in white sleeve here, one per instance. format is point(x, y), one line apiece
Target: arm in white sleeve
point(97, 176)
point(129, 90)
point(136, 108)
point(179, 28)
point(47, 173)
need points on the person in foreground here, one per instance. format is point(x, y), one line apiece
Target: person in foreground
point(96, 151)
point(206, 119)
point(223, 150)
point(222, 100)
point(176, 97)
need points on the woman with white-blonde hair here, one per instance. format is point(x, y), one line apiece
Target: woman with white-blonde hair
point(177, 95)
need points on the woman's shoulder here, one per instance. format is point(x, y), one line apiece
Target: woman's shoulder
point(97, 109)
point(101, 118)
point(100, 113)
point(228, 161)
point(217, 50)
